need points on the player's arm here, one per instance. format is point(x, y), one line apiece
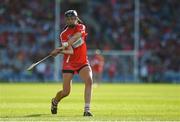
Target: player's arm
point(62, 50)
point(69, 50)
point(74, 38)
point(65, 48)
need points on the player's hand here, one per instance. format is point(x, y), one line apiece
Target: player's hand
point(55, 52)
point(65, 45)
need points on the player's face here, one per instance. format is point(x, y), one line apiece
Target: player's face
point(71, 20)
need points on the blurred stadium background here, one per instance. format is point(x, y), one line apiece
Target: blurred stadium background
point(140, 40)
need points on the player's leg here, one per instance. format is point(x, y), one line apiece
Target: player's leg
point(67, 79)
point(99, 77)
point(86, 75)
point(96, 79)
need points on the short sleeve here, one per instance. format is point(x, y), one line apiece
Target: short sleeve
point(62, 37)
point(81, 28)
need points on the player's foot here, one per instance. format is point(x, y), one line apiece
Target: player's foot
point(53, 107)
point(87, 113)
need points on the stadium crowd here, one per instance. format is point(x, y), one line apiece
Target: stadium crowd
point(27, 34)
point(160, 40)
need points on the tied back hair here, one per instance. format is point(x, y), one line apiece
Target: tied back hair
point(79, 20)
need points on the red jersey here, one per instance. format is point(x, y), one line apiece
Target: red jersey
point(79, 58)
point(97, 63)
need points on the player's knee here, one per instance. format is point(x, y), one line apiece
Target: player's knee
point(65, 93)
point(89, 81)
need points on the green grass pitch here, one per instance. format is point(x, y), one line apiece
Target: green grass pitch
point(110, 102)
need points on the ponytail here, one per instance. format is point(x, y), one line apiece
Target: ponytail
point(79, 20)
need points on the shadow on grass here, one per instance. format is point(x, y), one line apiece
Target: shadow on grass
point(35, 115)
point(38, 115)
point(31, 115)
point(46, 117)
